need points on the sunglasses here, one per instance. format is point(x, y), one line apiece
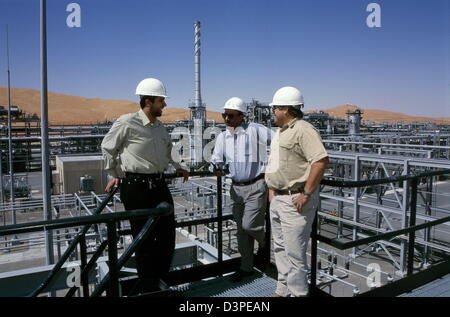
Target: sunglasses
point(277, 107)
point(229, 115)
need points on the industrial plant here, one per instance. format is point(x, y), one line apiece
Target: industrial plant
point(383, 216)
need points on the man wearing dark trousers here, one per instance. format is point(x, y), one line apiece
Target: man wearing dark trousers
point(137, 151)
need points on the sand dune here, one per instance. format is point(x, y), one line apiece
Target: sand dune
point(381, 115)
point(67, 109)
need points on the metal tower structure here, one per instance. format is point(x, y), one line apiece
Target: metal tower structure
point(198, 109)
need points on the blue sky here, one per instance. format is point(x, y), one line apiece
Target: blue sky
point(250, 48)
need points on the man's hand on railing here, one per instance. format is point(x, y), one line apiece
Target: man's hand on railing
point(183, 173)
point(220, 169)
point(219, 173)
point(115, 182)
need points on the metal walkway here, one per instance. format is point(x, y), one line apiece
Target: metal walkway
point(257, 285)
point(437, 288)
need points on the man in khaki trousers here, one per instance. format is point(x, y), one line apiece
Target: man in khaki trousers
point(243, 147)
point(296, 165)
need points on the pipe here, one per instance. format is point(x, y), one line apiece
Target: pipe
point(198, 97)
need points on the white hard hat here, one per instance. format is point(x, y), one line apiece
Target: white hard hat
point(287, 96)
point(151, 87)
point(236, 103)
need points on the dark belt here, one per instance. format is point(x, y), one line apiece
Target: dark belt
point(260, 176)
point(299, 190)
point(153, 176)
point(287, 192)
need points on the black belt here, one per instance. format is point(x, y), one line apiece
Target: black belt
point(260, 176)
point(299, 190)
point(153, 176)
point(287, 192)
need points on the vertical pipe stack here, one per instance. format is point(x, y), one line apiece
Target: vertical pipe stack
point(198, 113)
point(198, 97)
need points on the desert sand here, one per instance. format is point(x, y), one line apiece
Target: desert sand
point(67, 109)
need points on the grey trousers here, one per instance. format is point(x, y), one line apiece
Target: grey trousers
point(249, 207)
point(291, 231)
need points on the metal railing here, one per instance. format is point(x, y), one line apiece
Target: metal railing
point(87, 221)
point(412, 180)
point(111, 280)
point(79, 239)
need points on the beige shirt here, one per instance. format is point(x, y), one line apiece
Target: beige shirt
point(294, 148)
point(134, 144)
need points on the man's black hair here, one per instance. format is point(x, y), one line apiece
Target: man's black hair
point(143, 98)
point(295, 112)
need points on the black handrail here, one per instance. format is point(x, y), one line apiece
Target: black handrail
point(338, 243)
point(115, 267)
point(112, 276)
point(379, 181)
point(413, 183)
point(71, 247)
point(114, 264)
point(85, 220)
point(79, 221)
point(110, 219)
point(162, 209)
point(341, 245)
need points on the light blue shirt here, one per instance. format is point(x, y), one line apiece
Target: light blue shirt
point(244, 149)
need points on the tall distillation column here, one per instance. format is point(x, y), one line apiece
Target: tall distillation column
point(198, 109)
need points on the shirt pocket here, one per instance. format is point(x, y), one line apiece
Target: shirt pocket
point(287, 149)
point(291, 151)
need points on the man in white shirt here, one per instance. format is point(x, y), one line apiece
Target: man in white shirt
point(243, 148)
point(137, 151)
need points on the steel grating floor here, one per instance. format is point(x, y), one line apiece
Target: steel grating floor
point(437, 288)
point(258, 285)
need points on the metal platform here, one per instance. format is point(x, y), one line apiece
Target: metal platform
point(258, 285)
point(437, 288)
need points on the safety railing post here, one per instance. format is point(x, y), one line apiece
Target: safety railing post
point(219, 224)
point(313, 275)
point(113, 290)
point(267, 236)
point(412, 223)
point(83, 255)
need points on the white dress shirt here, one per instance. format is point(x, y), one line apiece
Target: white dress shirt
point(244, 149)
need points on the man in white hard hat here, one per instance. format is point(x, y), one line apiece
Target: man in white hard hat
point(243, 148)
point(136, 152)
point(296, 165)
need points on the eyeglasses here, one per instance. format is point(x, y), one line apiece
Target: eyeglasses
point(229, 115)
point(277, 107)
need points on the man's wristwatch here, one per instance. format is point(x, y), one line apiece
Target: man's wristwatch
point(307, 193)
